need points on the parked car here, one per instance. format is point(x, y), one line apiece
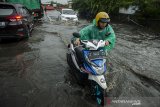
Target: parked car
point(68, 15)
point(16, 21)
point(32, 5)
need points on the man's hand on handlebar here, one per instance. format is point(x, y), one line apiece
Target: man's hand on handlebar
point(77, 42)
point(107, 43)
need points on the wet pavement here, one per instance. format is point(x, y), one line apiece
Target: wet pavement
point(34, 72)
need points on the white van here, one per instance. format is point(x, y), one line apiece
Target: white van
point(68, 15)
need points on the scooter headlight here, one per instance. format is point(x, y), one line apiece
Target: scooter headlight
point(102, 80)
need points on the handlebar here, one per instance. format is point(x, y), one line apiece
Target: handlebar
point(94, 44)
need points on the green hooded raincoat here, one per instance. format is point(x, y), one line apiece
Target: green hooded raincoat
point(92, 32)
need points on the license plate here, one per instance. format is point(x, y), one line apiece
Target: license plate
point(96, 54)
point(2, 24)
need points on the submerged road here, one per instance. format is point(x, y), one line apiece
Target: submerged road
point(34, 72)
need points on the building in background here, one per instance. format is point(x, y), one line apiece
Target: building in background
point(129, 11)
point(47, 6)
point(70, 4)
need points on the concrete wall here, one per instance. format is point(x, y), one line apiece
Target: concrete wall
point(129, 10)
point(131, 19)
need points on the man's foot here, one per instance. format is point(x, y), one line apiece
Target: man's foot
point(81, 68)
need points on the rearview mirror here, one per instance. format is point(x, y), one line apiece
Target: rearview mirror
point(76, 34)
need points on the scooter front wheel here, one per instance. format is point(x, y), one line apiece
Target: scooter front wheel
point(99, 93)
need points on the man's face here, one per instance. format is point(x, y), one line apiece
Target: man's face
point(102, 25)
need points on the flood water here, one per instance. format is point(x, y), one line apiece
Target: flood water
point(34, 72)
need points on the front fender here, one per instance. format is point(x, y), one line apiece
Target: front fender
point(99, 79)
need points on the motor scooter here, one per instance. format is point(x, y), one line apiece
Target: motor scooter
point(93, 68)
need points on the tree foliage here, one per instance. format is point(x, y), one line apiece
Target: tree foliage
point(149, 9)
point(88, 8)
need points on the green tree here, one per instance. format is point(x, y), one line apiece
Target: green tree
point(147, 8)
